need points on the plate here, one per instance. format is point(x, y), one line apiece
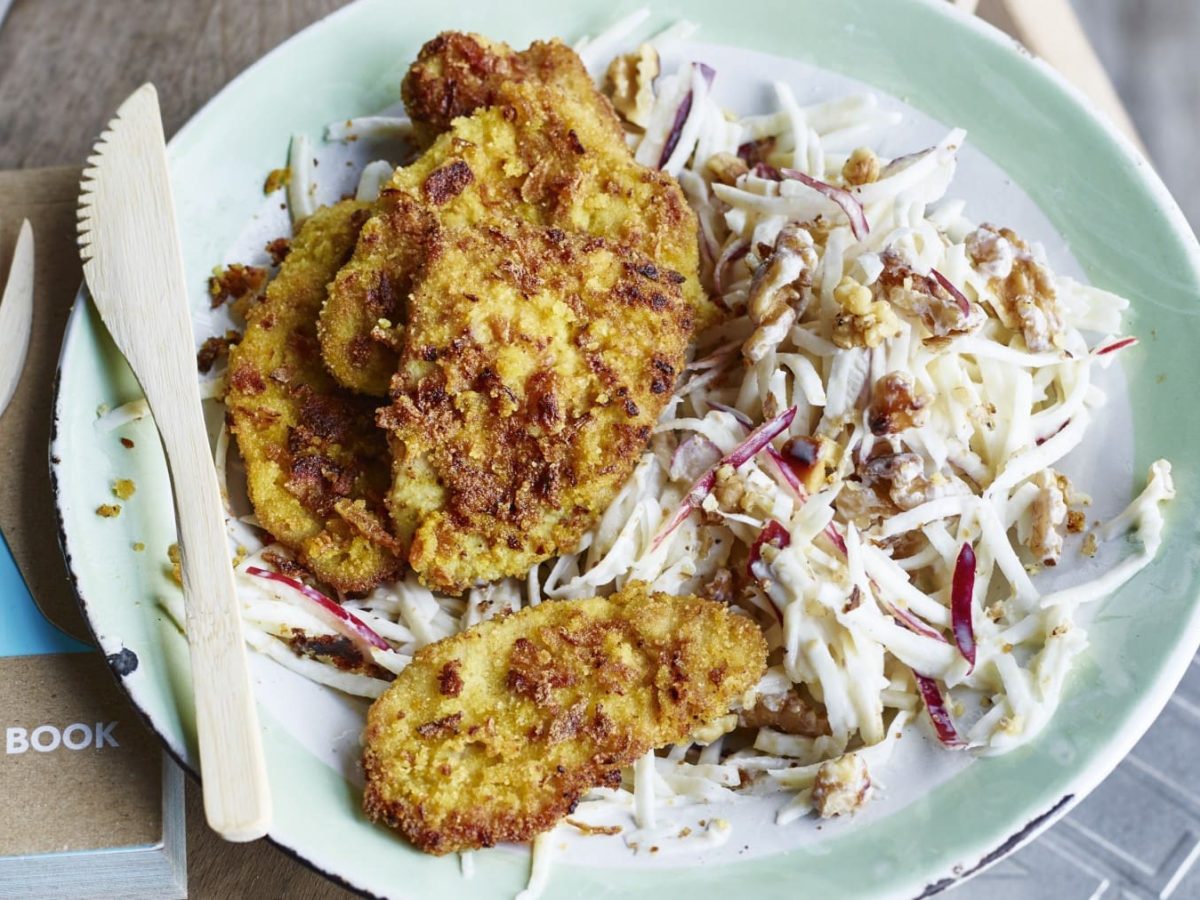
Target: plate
point(1041, 158)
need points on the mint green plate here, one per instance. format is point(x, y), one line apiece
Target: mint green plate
point(1100, 196)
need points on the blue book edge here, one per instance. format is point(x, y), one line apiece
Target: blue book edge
point(25, 631)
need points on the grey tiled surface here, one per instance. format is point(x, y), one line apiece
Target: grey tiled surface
point(1135, 836)
point(1150, 48)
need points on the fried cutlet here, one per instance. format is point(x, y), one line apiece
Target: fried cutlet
point(550, 154)
point(536, 363)
point(457, 73)
point(495, 733)
point(317, 468)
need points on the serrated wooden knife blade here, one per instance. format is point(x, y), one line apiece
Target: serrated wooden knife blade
point(134, 270)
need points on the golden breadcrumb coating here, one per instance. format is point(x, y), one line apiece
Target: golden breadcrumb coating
point(536, 363)
point(457, 73)
point(550, 154)
point(494, 734)
point(317, 468)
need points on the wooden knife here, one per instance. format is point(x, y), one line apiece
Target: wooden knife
point(134, 270)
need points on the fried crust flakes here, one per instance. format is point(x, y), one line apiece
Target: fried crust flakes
point(536, 364)
point(317, 468)
point(495, 733)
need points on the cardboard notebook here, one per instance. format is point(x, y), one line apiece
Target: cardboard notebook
point(89, 804)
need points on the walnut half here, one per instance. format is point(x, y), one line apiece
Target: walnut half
point(897, 404)
point(630, 84)
point(842, 786)
point(779, 291)
point(863, 321)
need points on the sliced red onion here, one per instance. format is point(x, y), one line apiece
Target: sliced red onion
point(912, 623)
point(843, 198)
point(717, 357)
point(703, 380)
point(903, 162)
point(835, 536)
point(1115, 346)
point(767, 171)
point(681, 117)
point(959, 297)
point(759, 438)
point(692, 457)
point(708, 73)
point(751, 151)
point(728, 257)
point(962, 590)
point(774, 534)
point(737, 457)
point(743, 419)
point(1044, 438)
point(938, 714)
point(332, 613)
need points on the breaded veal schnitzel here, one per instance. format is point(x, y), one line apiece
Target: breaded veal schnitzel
point(495, 733)
point(548, 150)
point(457, 73)
point(536, 363)
point(317, 467)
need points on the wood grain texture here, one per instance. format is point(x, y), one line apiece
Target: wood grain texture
point(1051, 29)
point(133, 265)
point(65, 65)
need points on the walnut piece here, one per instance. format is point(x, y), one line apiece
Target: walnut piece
point(779, 291)
point(736, 493)
point(862, 504)
point(630, 84)
point(863, 321)
point(726, 168)
point(720, 587)
point(990, 252)
point(842, 786)
point(897, 404)
point(922, 297)
point(906, 483)
point(727, 489)
point(1025, 297)
point(787, 712)
point(861, 168)
point(1049, 510)
point(810, 459)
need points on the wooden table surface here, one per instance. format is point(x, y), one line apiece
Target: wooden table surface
point(65, 65)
